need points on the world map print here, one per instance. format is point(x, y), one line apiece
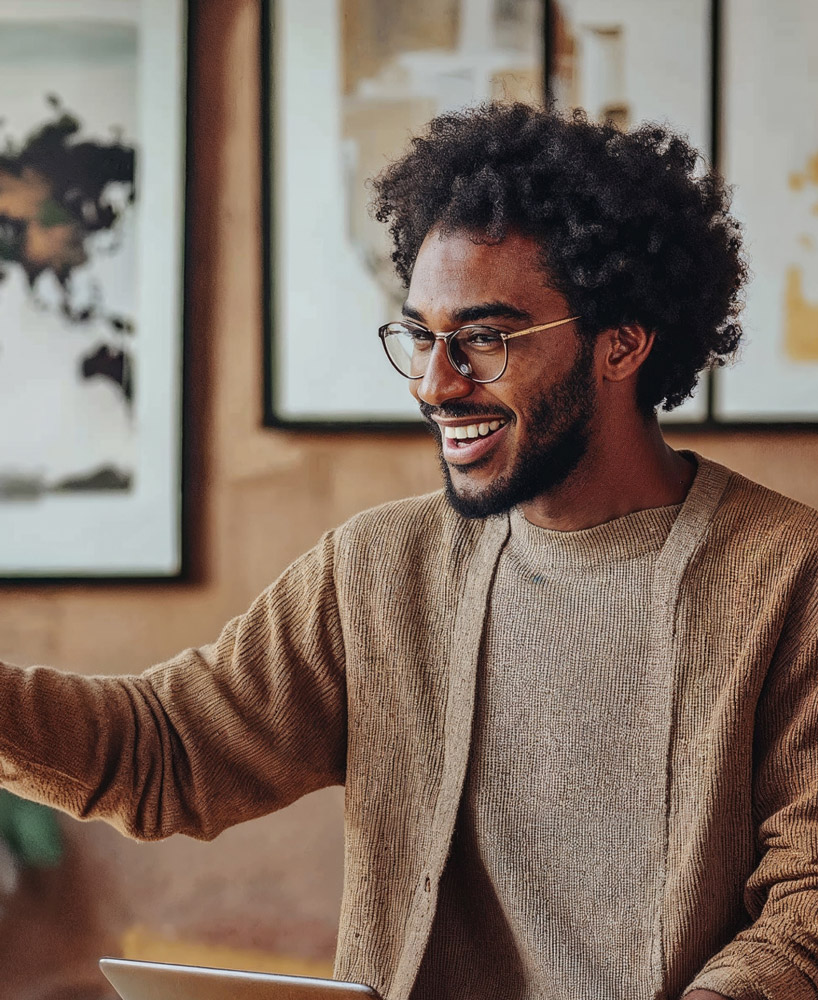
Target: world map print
point(65, 201)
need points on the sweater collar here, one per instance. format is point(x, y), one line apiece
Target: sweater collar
point(616, 541)
point(623, 538)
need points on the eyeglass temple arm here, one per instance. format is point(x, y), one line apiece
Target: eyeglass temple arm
point(545, 326)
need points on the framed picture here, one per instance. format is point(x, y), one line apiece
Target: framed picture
point(346, 83)
point(770, 154)
point(92, 149)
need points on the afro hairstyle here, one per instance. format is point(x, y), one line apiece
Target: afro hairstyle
point(631, 227)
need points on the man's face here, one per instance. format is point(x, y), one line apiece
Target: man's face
point(543, 403)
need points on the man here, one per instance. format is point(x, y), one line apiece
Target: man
point(572, 702)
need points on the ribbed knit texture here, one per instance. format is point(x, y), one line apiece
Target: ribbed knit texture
point(359, 665)
point(559, 838)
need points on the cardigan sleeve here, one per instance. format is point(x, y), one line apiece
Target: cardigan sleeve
point(776, 956)
point(213, 737)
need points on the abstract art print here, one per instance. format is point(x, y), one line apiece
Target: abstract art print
point(92, 107)
point(349, 81)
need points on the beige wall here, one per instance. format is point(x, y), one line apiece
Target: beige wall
point(259, 498)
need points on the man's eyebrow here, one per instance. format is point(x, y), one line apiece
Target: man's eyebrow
point(411, 313)
point(476, 313)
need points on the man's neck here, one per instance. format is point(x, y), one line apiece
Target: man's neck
point(635, 469)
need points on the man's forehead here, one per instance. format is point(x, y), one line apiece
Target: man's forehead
point(469, 250)
point(461, 275)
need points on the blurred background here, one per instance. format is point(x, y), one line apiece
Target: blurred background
point(266, 894)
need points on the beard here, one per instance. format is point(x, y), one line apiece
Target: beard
point(560, 422)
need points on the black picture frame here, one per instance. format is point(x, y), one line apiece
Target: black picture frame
point(129, 531)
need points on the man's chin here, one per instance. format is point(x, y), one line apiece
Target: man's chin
point(475, 493)
point(470, 500)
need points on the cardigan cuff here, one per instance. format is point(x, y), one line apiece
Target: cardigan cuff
point(772, 980)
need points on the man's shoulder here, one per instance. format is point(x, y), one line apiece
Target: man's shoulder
point(420, 527)
point(425, 516)
point(428, 506)
point(765, 518)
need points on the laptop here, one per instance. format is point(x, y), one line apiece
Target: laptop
point(155, 981)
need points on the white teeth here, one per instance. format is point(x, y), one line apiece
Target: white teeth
point(466, 431)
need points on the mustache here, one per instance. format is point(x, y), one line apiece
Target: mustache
point(456, 410)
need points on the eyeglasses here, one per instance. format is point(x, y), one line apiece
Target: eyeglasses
point(479, 353)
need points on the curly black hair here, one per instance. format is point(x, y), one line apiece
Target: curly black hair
point(629, 231)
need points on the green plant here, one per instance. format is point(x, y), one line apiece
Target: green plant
point(30, 831)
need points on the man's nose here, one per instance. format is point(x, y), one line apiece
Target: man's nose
point(441, 382)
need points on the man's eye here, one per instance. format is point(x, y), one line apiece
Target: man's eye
point(421, 339)
point(485, 338)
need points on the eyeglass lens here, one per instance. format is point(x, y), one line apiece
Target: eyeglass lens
point(476, 352)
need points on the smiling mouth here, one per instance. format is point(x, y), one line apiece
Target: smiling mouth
point(467, 433)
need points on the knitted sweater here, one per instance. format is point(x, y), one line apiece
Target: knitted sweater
point(554, 869)
point(358, 666)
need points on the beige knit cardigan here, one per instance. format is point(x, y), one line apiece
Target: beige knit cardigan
point(358, 667)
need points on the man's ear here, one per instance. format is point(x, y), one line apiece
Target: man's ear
point(623, 350)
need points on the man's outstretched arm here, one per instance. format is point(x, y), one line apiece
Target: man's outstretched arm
point(212, 737)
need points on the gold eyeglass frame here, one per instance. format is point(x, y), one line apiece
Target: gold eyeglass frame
point(447, 338)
